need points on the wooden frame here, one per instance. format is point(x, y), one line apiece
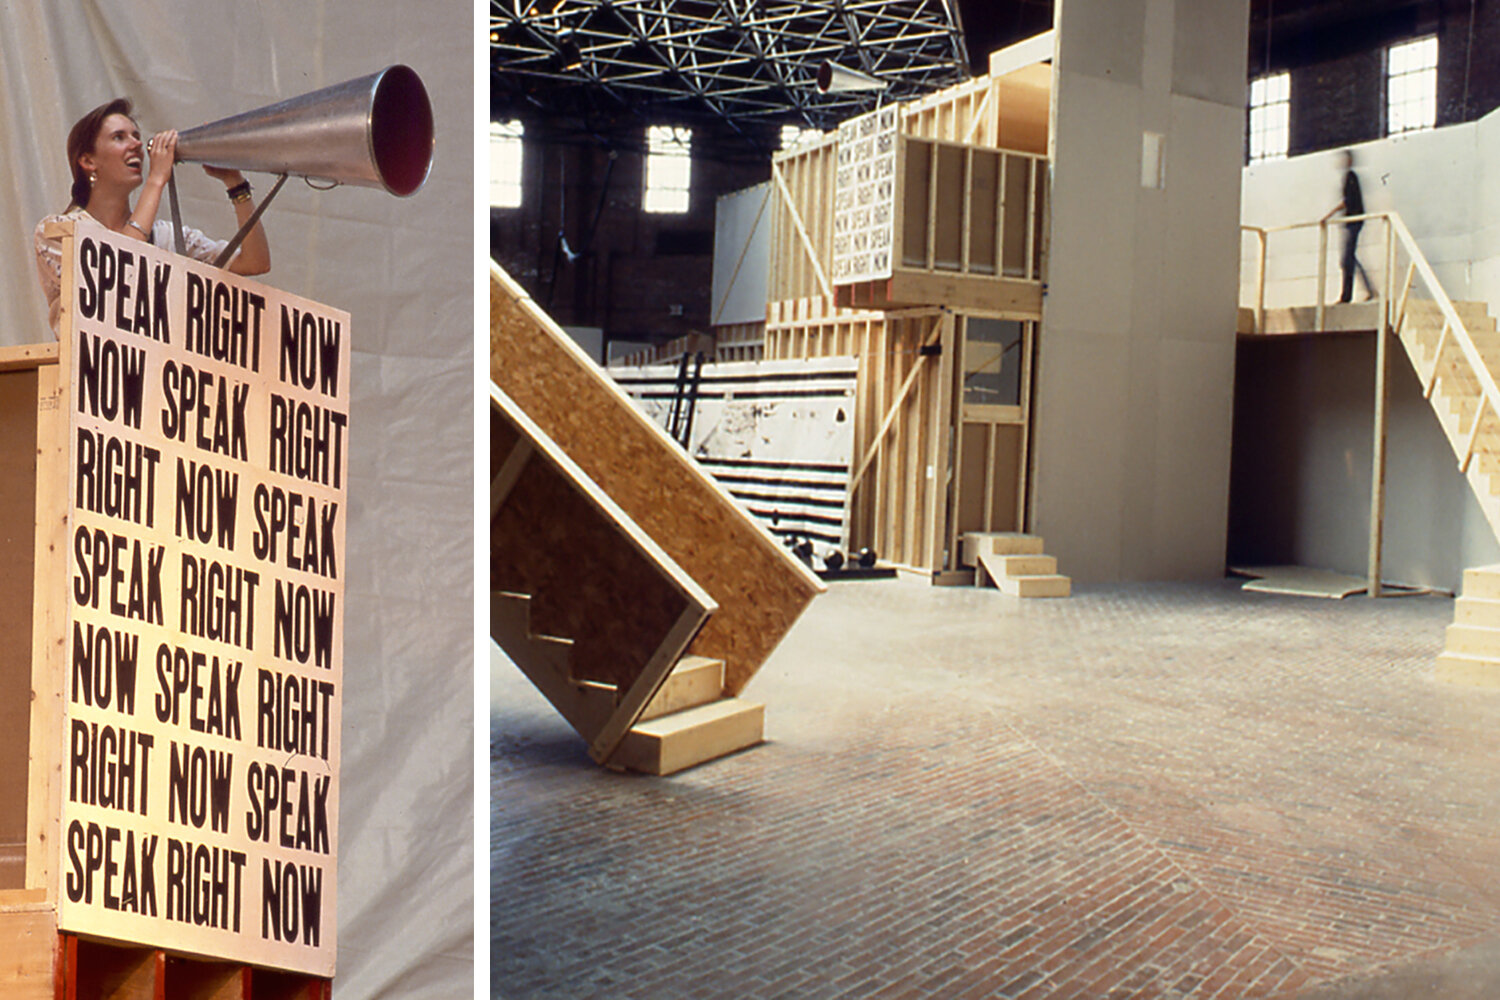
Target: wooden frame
point(39, 959)
point(589, 575)
point(969, 239)
point(761, 589)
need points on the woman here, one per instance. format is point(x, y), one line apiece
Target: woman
point(105, 155)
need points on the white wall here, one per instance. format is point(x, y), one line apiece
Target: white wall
point(1443, 183)
point(742, 255)
point(1434, 179)
point(1136, 358)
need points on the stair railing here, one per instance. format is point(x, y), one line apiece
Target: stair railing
point(1453, 328)
point(1417, 276)
point(1262, 236)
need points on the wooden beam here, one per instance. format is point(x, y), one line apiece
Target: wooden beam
point(893, 409)
point(807, 243)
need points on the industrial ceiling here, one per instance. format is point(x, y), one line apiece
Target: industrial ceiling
point(745, 66)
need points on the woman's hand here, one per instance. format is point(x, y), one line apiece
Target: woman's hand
point(163, 150)
point(228, 177)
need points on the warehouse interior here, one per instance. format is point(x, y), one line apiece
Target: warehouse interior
point(1038, 295)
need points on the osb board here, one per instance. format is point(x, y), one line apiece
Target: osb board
point(586, 581)
point(18, 413)
point(28, 952)
point(760, 588)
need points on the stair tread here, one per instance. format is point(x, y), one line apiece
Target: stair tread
point(692, 661)
point(689, 718)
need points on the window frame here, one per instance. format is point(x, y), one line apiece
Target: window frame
point(507, 143)
point(668, 177)
point(1403, 74)
point(1269, 114)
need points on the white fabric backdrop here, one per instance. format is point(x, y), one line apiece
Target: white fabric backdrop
point(403, 269)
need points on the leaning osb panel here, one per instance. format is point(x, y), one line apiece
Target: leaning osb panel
point(760, 588)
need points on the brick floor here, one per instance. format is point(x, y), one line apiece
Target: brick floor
point(1167, 790)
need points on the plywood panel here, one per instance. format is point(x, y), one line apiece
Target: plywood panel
point(760, 588)
point(984, 188)
point(587, 582)
point(948, 213)
point(1017, 194)
point(916, 188)
point(1025, 98)
point(28, 951)
point(18, 412)
point(606, 611)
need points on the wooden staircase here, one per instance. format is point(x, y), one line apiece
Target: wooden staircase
point(688, 721)
point(1471, 649)
point(673, 595)
point(1014, 563)
point(1471, 653)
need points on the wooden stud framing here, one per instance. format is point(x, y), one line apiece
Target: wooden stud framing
point(968, 240)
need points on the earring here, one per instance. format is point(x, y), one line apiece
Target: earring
point(93, 177)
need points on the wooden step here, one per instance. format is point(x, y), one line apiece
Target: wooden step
point(680, 740)
point(1052, 585)
point(1482, 582)
point(1479, 611)
point(1474, 671)
point(696, 680)
point(510, 627)
point(1472, 640)
point(1001, 566)
point(997, 543)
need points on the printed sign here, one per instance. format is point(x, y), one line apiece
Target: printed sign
point(208, 449)
point(864, 215)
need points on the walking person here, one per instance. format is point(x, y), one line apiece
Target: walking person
point(1353, 204)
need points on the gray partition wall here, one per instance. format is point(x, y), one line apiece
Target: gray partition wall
point(1136, 356)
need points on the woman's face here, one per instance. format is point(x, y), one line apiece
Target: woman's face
point(118, 157)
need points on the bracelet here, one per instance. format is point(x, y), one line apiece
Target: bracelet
point(137, 226)
point(240, 192)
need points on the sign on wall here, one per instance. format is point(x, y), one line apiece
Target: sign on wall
point(778, 435)
point(208, 444)
point(864, 215)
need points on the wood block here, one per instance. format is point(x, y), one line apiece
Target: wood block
point(1021, 565)
point(1471, 671)
point(696, 680)
point(683, 739)
point(1035, 586)
point(1483, 582)
point(1476, 611)
point(1472, 640)
point(998, 543)
point(28, 952)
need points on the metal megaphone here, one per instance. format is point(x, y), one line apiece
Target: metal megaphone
point(375, 131)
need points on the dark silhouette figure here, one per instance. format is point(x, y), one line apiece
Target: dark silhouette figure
point(1353, 204)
